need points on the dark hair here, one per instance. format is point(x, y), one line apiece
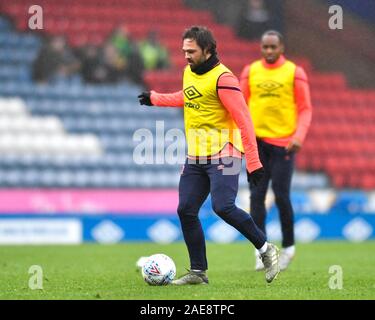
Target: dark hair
point(203, 36)
point(274, 33)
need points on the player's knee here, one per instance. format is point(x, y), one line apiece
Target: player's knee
point(282, 199)
point(281, 190)
point(223, 208)
point(257, 197)
point(185, 210)
point(181, 209)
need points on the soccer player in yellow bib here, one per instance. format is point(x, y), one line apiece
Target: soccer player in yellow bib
point(218, 129)
point(278, 97)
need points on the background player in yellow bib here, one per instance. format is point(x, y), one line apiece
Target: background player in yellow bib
point(278, 97)
point(218, 128)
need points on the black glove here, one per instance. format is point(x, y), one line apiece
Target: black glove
point(145, 98)
point(254, 177)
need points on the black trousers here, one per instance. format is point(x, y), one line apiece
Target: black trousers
point(196, 182)
point(278, 166)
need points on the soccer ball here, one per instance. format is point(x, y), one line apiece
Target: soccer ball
point(158, 270)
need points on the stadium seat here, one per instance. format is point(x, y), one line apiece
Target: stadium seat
point(42, 126)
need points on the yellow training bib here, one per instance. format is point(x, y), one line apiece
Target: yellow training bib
point(208, 124)
point(272, 104)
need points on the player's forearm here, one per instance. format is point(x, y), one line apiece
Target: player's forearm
point(245, 124)
point(232, 99)
point(304, 108)
point(175, 99)
point(244, 83)
point(304, 120)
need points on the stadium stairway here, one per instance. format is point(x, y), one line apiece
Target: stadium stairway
point(340, 142)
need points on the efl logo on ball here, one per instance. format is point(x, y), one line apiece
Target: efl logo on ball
point(159, 270)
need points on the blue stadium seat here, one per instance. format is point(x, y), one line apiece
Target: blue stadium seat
point(111, 112)
point(5, 24)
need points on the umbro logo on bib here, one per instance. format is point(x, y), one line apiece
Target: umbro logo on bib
point(192, 93)
point(270, 85)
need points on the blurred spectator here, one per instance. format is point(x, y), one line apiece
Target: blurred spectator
point(256, 19)
point(122, 41)
point(90, 61)
point(113, 63)
point(102, 66)
point(248, 17)
point(135, 67)
point(129, 51)
point(154, 55)
point(55, 61)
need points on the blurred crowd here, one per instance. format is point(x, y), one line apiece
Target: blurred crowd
point(119, 58)
point(255, 19)
point(249, 18)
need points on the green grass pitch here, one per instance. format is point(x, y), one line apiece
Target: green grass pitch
point(93, 271)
